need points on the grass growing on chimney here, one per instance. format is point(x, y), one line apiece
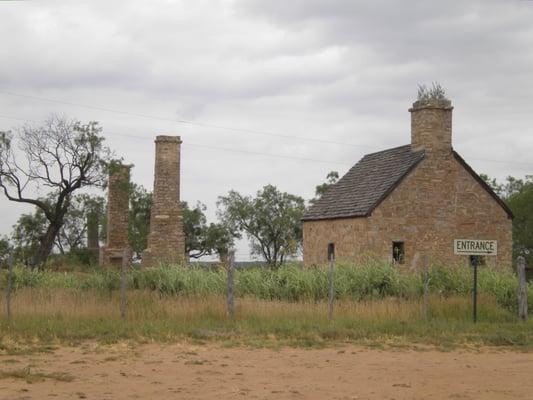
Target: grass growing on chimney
point(71, 315)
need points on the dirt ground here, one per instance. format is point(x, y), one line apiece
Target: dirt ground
point(184, 371)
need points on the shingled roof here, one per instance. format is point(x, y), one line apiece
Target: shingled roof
point(365, 185)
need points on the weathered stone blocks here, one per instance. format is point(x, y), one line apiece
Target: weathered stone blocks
point(117, 216)
point(437, 202)
point(166, 241)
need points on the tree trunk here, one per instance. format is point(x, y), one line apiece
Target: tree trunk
point(47, 244)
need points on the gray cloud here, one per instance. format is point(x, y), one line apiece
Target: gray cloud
point(334, 70)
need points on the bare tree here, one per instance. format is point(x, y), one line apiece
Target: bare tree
point(61, 156)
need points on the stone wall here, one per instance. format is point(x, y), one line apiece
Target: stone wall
point(439, 201)
point(93, 242)
point(166, 240)
point(117, 216)
point(436, 203)
point(431, 126)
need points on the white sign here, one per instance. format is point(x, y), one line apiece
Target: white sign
point(470, 247)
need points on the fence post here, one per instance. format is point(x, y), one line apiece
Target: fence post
point(126, 260)
point(331, 288)
point(9, 286)
point(522, 288)
point(425, 304)
point(230, 298)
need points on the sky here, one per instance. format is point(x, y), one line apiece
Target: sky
point(269, 91)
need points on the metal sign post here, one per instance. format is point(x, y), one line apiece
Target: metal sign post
point(475, 248)
point(474, 290)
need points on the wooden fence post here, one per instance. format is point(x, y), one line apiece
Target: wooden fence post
point(522, 288)
point(425, 304)
point(331, 288)
point(231, 288)
point(126, 261)
point(9, 286)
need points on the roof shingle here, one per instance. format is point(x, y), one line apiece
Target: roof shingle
point(365, 185)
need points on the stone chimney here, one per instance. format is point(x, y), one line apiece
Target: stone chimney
point(166, 240)
point(431, 126)
point(118, 193)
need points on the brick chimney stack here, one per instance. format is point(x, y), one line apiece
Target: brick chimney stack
point(117, 216)
point(166, 240)
point(431, 126)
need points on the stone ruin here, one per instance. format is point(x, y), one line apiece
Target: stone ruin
point(117, 242)
point(93, 241)
point(166, 240)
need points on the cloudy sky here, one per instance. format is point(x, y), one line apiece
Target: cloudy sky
point(270, 91)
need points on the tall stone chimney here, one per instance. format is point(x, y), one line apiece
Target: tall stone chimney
point(431, 126)
point(166, 240)
point(118, 197)
point(93, 242)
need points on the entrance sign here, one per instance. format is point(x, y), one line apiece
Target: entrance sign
point(474, 247)
point(469, 247)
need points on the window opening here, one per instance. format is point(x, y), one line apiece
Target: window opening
point(331, 252)
point(398, 252)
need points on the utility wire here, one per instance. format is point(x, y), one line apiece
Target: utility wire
point(183, 121)
point(523, 164)
point(227, 149)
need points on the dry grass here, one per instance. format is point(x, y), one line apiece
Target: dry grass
point(142, 305)
point(72, 315)
point(32, 376)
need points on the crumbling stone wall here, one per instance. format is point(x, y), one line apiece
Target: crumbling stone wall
point(117, 216)
point(166, 240)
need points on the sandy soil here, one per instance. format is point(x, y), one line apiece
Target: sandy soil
point(184, 371)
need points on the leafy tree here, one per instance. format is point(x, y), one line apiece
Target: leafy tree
point(139, 226)
point(202, 239)
point(26, 236)
point(62, 156)
point(271, 220)
point(505, 190)
point(521, 203)
point(5, 249)
point(331, 179)
point(518, 195)
point(30, 228)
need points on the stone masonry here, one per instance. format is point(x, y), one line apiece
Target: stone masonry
point(166, 240)
point(438, 201)
point(117, 216)
point(93, 243)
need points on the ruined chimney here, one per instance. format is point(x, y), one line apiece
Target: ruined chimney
point(166, 240)
point(117, 215)
point(431, 126)
point(93, 243)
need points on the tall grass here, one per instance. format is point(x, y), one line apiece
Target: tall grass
point(71, 315)
point(290, 283)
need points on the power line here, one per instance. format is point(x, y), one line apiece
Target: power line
point(227, 149)
point(187, 122)
point(518, 163)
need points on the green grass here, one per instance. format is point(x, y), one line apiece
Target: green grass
point(50, 316)
point(374, 304)
point(289, 283)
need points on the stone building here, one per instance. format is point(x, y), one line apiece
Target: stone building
point(118, 193)
point(166, 240)
point(408, 202)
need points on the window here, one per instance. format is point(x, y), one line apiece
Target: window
point(398, 252)
point(331, 252)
